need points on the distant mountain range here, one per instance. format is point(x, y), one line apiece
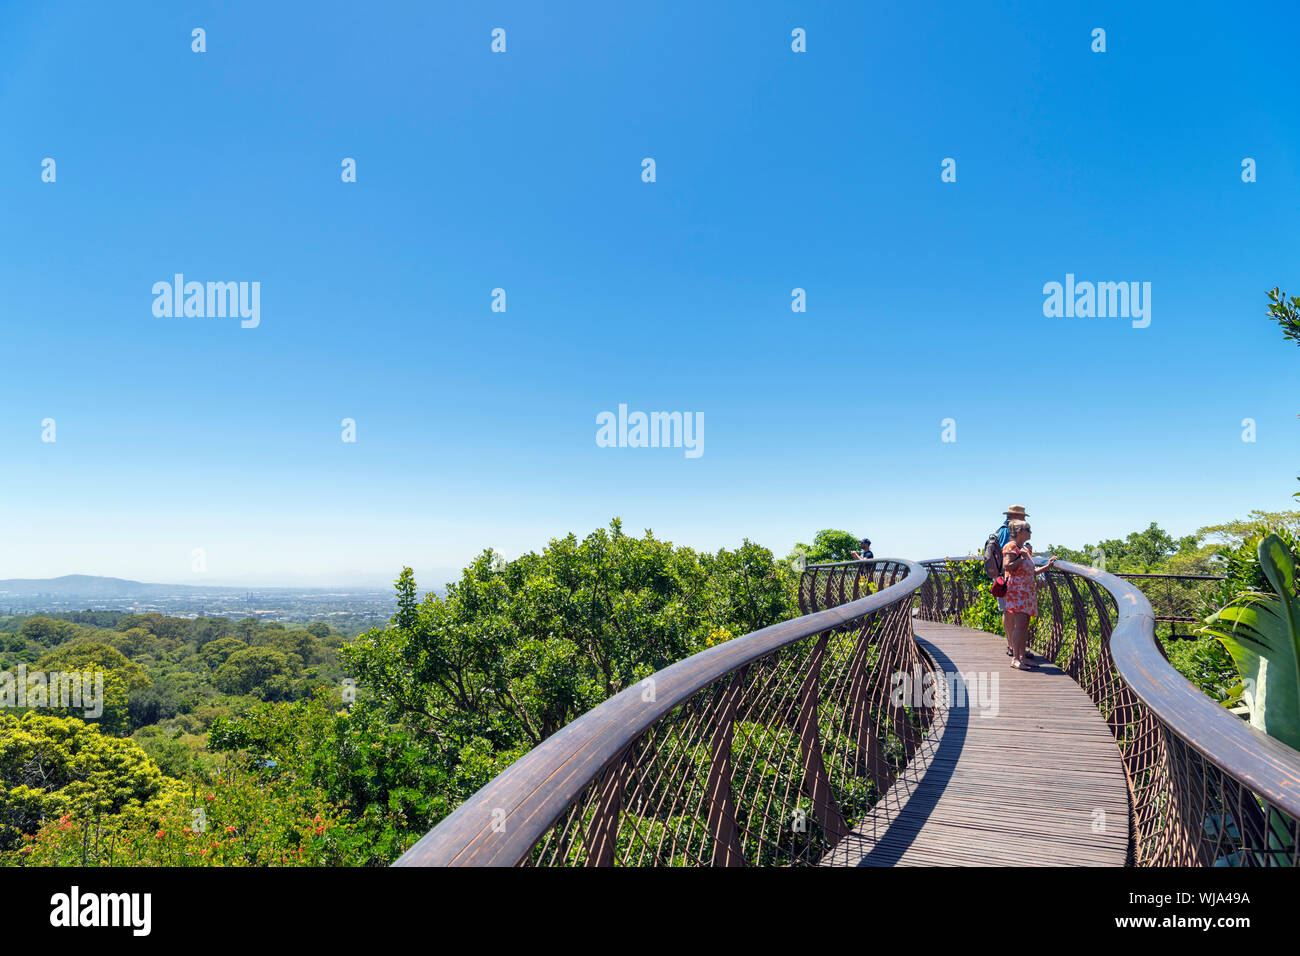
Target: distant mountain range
point(94, 586)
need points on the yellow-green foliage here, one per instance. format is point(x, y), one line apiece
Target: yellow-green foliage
point(53, 766)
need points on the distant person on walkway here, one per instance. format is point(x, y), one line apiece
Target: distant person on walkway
point(864, 552)
point(1022, 589)
point(993, 564)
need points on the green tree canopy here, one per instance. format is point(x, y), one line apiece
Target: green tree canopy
point(516, 649)
point(50, 632)
point(830, 545)
point(262, 671)
point(1141, 551)
point(1286, 313)
point(55, 765)
point(217, 652)
point(121, 678)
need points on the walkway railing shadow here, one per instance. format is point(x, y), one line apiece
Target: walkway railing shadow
point(764, 750)
point(905, 807)
point(1206, 788)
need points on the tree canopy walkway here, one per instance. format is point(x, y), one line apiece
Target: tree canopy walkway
point(875, 730)
point(1021, 770)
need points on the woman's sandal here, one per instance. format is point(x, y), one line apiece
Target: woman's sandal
point(1023, 665)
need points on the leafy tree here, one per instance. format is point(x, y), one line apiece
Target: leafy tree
point(1286, 313)
point(1207, 664)
point(90, 655)
point(515, 650)
point(149, 705)
point(1231, 535)
point(236, 820)
point(188, 689)
point(206, 629)
point(215, 653)
point(263, 671)
point(1141, 551)
point(206, 714)
point(137, 643)
point(176, 754)
point(170, 631)
point(377, 771)
point(452, 691)
point(1145, 550)
point(829, 545)
point(304, 644)
point(121, 678)
point(1240, 564)
point(518, 649)
point(1084, 555)
point(103, 619)
point(51, 766)
point(49, 632)
point(747, 589)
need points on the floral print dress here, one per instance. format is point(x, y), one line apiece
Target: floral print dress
point(1022, 585)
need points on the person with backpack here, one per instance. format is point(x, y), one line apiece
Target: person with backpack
point(1022, 591)
point(993, 567)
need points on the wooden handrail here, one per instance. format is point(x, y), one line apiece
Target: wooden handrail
point(1266, 765)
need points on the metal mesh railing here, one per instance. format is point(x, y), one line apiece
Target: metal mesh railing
point(1206, 788)
point(765, 750)
point(1177, 598)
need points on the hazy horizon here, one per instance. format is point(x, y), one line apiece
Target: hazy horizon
point(356, 582)
point(967, 536)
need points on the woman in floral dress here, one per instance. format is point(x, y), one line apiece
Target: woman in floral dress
point(1022, 589)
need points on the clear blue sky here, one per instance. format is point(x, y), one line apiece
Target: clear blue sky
point(522, 170)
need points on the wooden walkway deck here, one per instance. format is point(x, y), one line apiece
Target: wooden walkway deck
point(1034, 781)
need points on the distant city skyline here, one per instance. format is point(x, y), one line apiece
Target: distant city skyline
point(405, 369)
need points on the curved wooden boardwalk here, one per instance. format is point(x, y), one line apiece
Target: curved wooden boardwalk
point(1027, 775)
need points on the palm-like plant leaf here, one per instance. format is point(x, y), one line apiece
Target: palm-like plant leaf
point(1261, 631)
